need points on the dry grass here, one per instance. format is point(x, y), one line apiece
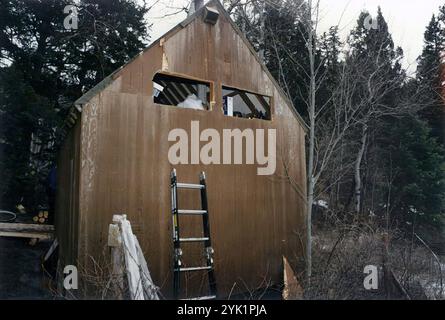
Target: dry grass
point(341, 253)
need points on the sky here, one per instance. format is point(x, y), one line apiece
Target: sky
point(407, 19)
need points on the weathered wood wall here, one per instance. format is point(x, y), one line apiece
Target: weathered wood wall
point(67, 198)
point(125, 168)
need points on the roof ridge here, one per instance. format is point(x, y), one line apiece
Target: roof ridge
point(87, 96)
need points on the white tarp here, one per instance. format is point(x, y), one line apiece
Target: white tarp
point(192, 102)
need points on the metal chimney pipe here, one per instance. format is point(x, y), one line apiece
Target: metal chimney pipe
point(195, 6)
point(198, 4)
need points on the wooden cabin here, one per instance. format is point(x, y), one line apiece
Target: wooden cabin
point(115, 160)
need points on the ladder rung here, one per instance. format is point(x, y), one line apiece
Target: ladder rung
point(193, 239)
point(192, 212)
point(190, 186)
point(202, 298)
point(193, 269)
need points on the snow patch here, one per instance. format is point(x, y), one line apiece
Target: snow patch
point(322, 204)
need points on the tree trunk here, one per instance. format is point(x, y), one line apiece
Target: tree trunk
point(311, 160)
point(262, 8)
point(357, 174)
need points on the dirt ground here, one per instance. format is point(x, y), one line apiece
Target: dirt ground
point(21, 276)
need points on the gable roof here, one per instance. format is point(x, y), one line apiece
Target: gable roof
point(85, 98)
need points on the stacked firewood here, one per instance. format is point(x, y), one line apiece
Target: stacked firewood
point(41, 217)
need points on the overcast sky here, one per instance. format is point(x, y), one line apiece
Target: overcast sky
point(407, 19)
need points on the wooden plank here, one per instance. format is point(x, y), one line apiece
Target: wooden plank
point(249, 103)
point(23, 230)
point(131, 258)
point(30, 235)
point(265, 105)
point(124, 243)
point(25, 227)
point(150, 290)
point(292, 289)
point(115, 242)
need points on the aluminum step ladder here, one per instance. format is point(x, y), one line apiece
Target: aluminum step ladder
point(177, 240)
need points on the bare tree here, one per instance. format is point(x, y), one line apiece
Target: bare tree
point(354, 105)
point(340, 126)
point(312, 29)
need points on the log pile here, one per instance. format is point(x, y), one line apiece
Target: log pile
point(41, 217)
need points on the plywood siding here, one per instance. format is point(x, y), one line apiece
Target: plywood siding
point(125, 169)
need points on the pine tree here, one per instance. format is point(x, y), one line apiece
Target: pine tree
point(47, 67)
point(22, 113)
point(415, 163)
point(379, 78)
point(282, 43)
point(286, 53)
point(428, 75)
point(330, 48)
point(59, 62)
